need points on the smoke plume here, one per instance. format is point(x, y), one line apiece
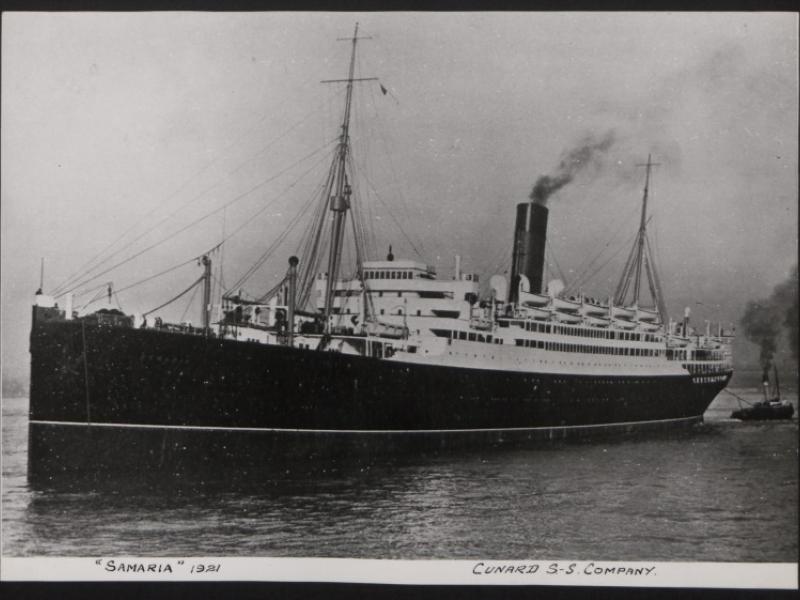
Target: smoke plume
point(572, 162)
point(764, 319)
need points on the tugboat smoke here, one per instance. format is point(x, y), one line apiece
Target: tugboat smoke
point(764, 319)
point(572, 162)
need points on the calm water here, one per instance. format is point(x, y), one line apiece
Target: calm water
point(727, 491)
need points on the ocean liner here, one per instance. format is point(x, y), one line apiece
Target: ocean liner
point(390, 357)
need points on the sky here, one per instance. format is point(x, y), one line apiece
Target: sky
point(119, 130)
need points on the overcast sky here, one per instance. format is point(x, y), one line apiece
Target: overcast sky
point(113, 122)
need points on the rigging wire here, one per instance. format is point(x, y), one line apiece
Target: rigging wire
point(360, 229)
point(85, 269)
point(168, 302)
point(220, 281)
point(585, 275)
point(555, 262)
point(201, 219)
point(100, 294)
point(189, 304)
point(90, 290)
point(659, 297)
point(499, 264)
point(394, 218)
point(392, 169)
point(267, 205)
point(266, 255)
point(145, 280)
point(317, 235)
point(621, 247)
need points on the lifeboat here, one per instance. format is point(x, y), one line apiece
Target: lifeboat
point(623, 324)
point(597, 322)
point(567, 318)
point(622, 312)
point(531, 299)
point(677, 342)
point(646, 315)
point(593, 309)
point(566, 305)
point(539, 314)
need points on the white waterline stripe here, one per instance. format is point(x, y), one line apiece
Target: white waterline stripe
point(356, 431)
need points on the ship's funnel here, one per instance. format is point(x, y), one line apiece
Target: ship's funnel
point(530, 235)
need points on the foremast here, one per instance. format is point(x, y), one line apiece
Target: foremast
point(340, 187)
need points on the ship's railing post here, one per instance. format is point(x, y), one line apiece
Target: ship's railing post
point(206, 316)
point(292, 297)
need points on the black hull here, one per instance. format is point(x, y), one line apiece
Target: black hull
point(71, 454)
point(149, 387)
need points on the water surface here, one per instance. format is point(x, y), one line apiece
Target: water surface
point(725, 491)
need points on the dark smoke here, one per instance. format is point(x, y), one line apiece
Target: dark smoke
point(572, 162)
point(764, 319)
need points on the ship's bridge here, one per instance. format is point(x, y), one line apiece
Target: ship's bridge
point(400, 269)
point(405, 293)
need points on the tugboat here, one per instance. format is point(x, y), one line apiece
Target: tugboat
point(772, 408)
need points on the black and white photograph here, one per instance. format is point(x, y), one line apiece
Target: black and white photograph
point(490, 297)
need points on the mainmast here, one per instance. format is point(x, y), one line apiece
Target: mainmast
point(640, 259)
point(637, 284)
point(341, 190)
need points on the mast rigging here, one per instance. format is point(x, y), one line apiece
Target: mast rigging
point(641, 259)
point(340, 198)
